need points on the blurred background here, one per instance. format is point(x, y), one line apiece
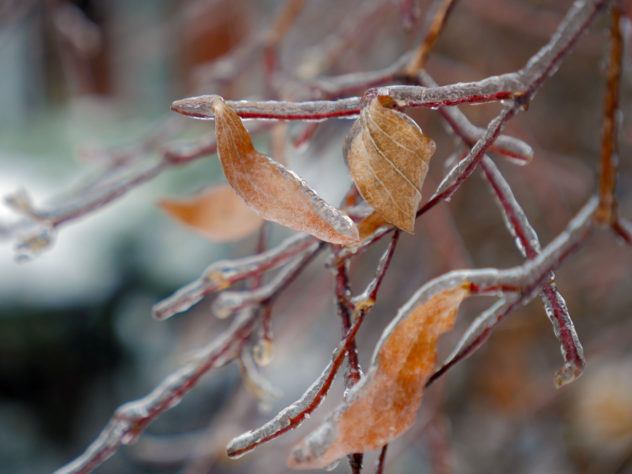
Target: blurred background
point(86, 83)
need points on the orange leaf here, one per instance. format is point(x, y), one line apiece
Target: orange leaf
point(216, 213)
point(384, 403)
point(270, 189)
point(388, 156)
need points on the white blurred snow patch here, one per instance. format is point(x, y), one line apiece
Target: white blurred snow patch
point(78, 265)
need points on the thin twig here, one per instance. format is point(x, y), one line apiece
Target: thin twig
point(130, 419)
point(418, 61)
point(528, 244)
point(606, 214)
point(562, 246)
point(379, 465)
point(292, 416)
point(222, 274)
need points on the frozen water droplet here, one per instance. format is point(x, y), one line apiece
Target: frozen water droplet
point(566, 374)
point(307, 415)
point(332, 466)
point(263, 351)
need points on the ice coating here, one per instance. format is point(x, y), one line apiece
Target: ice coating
point(130, 419)
point(464, 167)
point(256, 383)
point(383, 404)
point(202, 107)
point(223, 273)
point(529, 245)
point(507, 202)
point(472, 338)
point(228, 302)
point(520, 151)
point(247, 441)
point(490, 88)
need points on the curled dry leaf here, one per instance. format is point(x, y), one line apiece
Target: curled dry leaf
point(270, 189)
point(383, 404)
point(216, 213)
point(388, 156)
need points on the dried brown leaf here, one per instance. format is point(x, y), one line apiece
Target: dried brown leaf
point(370, 224)
point(388, 156)
point(383, 405)
point(270, 189)
point(217, 213)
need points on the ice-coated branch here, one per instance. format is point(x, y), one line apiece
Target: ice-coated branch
point(546, 61)
point(130, 419)
point(478, 332)
point(343, 84)
point(519, 283)
point(38, 226)
point(609, 142)
point(229, 302)
point(528, 244)
point(522, 84)
point(464, 168)
point(222, 274)
point(292, 416)
point(368, 296)
point(354, 370)
point(381, 460)
point(345, 309)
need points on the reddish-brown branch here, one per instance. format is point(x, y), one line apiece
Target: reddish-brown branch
point(504, 307)
point(438, 22)
point(623, 228)
point(606, 214)
point(131, 419)
point(310, 400)
point(295, 421)
point(345, 310)
point(381, 460)
point(222, 274)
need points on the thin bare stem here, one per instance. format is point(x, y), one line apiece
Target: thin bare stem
point(418, 61)
point(552, 256)
point(528, 244)
point(345, 310)
point(222, 274)
point(623, 228)
point(379, 465)
point(292, 416)
point(230, 302)
point(606, 213)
